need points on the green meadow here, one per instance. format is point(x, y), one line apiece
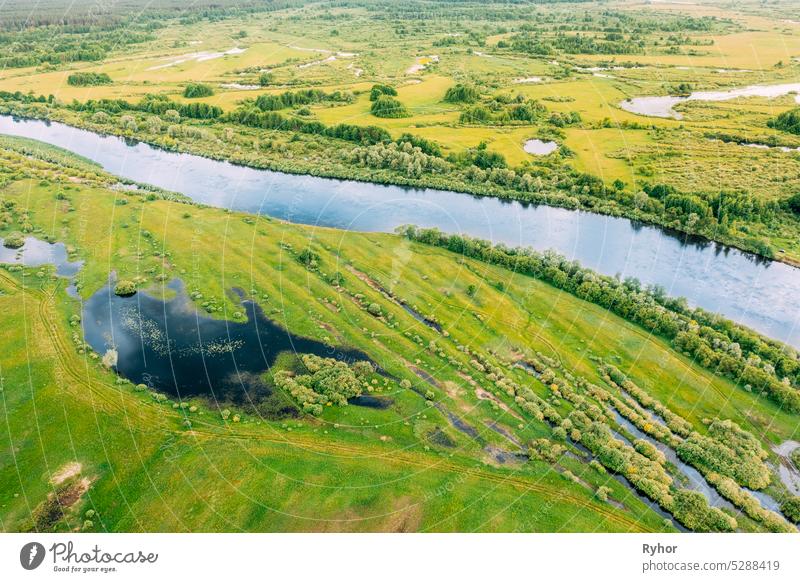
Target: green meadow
point(510, 397)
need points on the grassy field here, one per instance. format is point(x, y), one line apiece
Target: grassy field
point(472, 439)
point(345, 49)
point(351, 469)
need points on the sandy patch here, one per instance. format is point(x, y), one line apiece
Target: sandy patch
point(66, 472)
point(240, 87)
point(421, 64)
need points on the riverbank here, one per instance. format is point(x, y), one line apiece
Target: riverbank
point(244, 146)
point(740, 287)
point(346, 308)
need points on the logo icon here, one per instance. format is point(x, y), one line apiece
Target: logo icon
point(31, 555)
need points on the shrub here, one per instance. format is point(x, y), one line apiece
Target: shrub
point(128, 122)
point(380, 89)
point(794, 203)
point(265, 79)
point(602, 492)
point(193, 90)
point(729, 450)
point(388, 107)
point(125, 288)
point(462, 93)
point(309, 258)
point(15, 240)
point(172, 116)
point(791, 508)
point(328, 382)
point(788, 121)
point(88, 79)
point(375, 309)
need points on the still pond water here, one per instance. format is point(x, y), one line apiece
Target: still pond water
point(171, 347)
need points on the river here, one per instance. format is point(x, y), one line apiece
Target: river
point(662, 105)
point(758, 293)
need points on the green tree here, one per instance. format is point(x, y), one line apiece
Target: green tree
point(385, 106)
point(193, 90)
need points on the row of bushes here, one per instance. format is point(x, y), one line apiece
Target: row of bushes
point(296, 98)
point(156, 104)
point(361, 134)
point(729, 450)
point(646, 307)
point(88, 79)
point(676, 424)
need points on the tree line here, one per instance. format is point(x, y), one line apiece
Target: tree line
point(749, 359)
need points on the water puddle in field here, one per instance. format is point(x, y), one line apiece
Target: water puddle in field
point(36, 252)
point(662, 106)
point(528, 368)
point(538, 147)
point(694, 480)
point(173, 348)
point(376, 402)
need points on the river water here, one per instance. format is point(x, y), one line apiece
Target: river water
point(662, 105)
point(758, 293)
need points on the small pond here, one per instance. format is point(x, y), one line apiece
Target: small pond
point(173, 348)
point(36, 252)
point(538, 147)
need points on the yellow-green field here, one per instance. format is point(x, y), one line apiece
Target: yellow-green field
point(302, 52)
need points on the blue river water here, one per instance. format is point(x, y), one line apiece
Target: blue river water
point(758, 293)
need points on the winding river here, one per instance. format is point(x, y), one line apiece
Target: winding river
point(662, 106)
point(758, 293)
